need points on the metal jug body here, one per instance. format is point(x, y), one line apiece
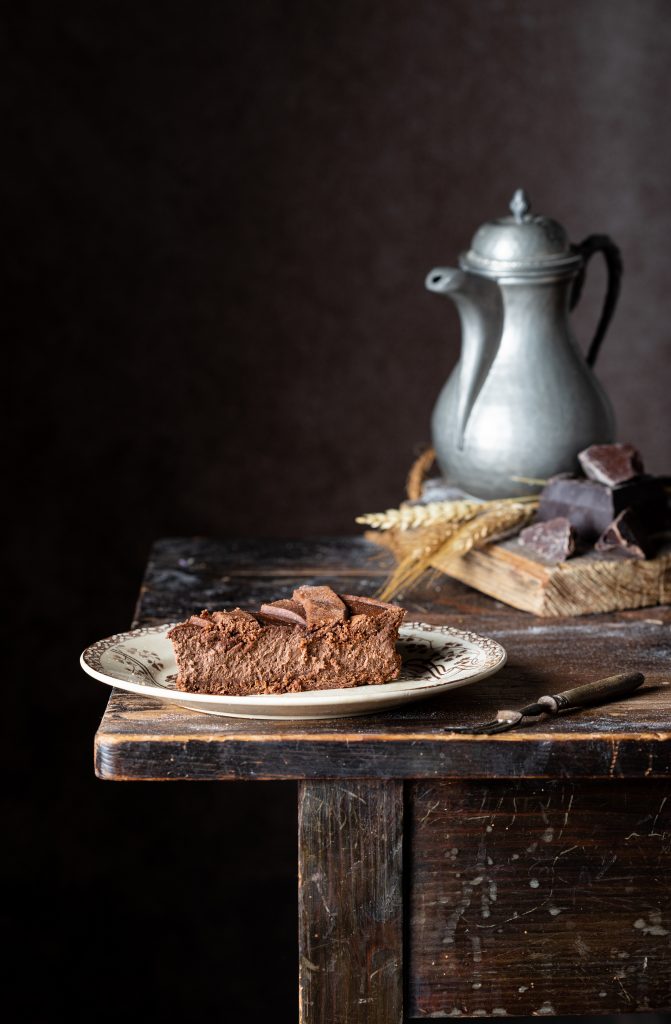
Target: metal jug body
point(522, 400)
point(539, 405)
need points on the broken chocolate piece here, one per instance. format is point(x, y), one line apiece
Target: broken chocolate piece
point(357, 605)
point(321, 605)
point(284, 611)
point(611, 464)
point(204, 620)
point(625, 536)
point(591, 507)
point(553, 540)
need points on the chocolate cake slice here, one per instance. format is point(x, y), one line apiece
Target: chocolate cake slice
point(318, 640)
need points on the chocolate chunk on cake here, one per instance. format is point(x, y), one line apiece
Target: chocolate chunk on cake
point(318, 640)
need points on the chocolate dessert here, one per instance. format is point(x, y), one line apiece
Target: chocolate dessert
point(318, 640)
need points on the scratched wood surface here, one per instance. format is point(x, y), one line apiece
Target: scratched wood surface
point(538, 899)
point(350, 902)
point(536, 865)
point(144, 739)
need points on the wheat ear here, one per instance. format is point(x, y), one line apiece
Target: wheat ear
point(494, 523)
point(409, 517)
point(496, 519)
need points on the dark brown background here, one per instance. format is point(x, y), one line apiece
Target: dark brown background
point(219, 218)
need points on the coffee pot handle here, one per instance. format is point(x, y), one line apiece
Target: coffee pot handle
point(611, 254)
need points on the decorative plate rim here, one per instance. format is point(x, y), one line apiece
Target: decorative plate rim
point(495, 657)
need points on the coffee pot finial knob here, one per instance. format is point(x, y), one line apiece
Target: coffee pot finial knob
point(519, 205)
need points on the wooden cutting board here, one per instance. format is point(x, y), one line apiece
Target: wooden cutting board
point(589, 583)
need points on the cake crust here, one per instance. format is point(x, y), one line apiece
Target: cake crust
point(318, 640)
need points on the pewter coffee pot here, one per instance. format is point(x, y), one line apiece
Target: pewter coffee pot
point(522, 400)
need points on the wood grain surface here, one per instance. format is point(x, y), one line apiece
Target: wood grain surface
point(350, 904)
point(538, 899)
point(144, 739)
point(526, 873)
point(581, 586)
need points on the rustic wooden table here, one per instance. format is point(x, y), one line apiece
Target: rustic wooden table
point(442, 875)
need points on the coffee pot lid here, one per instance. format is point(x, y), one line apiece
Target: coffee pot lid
point(521, 245)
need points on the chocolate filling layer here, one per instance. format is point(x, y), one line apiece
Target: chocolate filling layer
point(318, 640)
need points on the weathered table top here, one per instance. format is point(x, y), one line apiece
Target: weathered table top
point(140, 738)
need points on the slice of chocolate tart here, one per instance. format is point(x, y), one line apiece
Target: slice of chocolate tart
point(318, 640)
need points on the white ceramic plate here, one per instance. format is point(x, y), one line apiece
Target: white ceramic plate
point(435, 659)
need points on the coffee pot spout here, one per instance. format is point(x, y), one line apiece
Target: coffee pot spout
point(445, 280)
point(479, 302)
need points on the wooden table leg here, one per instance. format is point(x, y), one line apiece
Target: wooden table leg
point(350, 902)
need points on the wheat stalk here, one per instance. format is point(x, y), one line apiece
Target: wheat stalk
point(533, 481)
point(410, 517)
point(416, 562)
point(493, 524)
point(492, 521)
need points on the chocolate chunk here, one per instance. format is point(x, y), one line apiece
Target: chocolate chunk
point(284, 611)
point(591, 507)
point(357, 605)
point(204, 620)
point(611, 464)
point(625, 536)
point(553, 540)
point(321, 605)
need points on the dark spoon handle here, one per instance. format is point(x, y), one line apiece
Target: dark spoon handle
point(594, 693)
